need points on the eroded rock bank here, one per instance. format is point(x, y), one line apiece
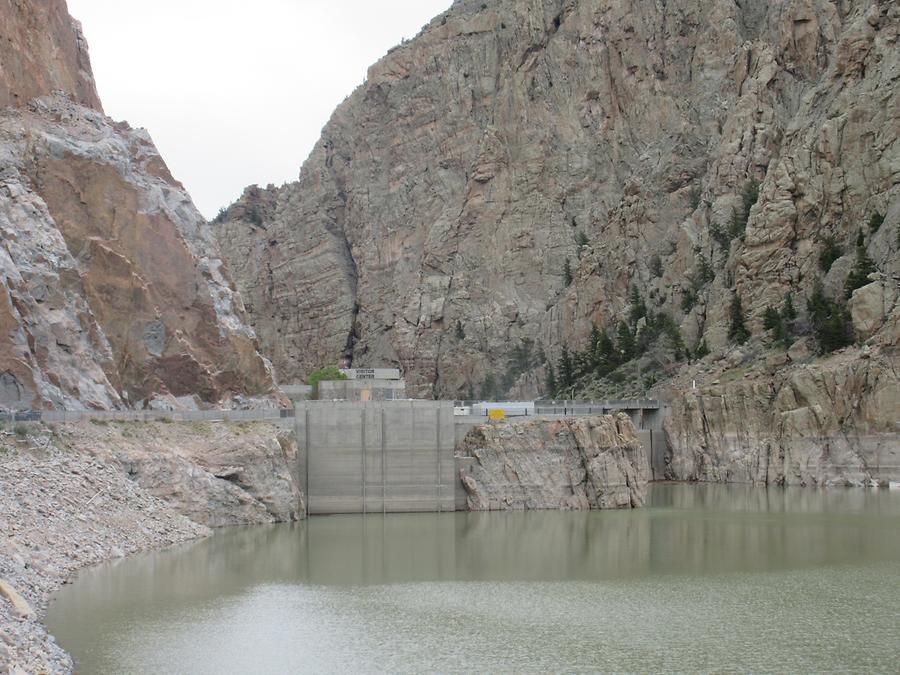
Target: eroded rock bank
point(83, 494)
point(834, 422)
point(575, 463)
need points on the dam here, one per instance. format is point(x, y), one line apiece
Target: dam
point(399, 456)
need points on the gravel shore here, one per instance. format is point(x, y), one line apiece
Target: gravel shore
point(60, 510)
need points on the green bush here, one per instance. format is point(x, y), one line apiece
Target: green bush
point(862, 268)
point(567, 273)
point(830, 252)
point(875, 222)
point(323, 374)
point(737, 330)
point(831, 322)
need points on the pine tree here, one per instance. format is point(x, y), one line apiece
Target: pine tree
point(831, 321)
point(607, 358)
point(737, 331)
point(460, 333)
point(550, 382)
point(638, 308)
point(581, 241)
point(702, 350)
point(862, 268)
point(594, 346)
point(567, 273)
point(625, 341)
point(788, 312)
point(566, 369)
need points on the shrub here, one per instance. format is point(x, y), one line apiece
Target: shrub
point(581, 241)
point(460, 333)
point(875, 222)
point(831, 322)
point(323, 374)
point(656, 266)
point(702, 349)
point(862, 268)
point(550, 382)
point(737, 330)
point(830, 252)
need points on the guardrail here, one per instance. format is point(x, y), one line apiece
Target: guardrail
point(148, 415)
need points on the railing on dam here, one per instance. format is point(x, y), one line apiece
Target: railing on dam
point(148, 415)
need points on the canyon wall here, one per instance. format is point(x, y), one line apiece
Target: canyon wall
point(431, 226)
point(113, 292)
point(832, 423)
point(575, 463)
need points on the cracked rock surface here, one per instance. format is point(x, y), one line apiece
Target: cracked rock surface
point(575, 463)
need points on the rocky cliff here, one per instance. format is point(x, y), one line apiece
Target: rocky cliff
point(835, 422)
point(576, 463)
point(113, 291)
point(521, 165)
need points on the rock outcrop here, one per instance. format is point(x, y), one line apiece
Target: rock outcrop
point(215, 474)
point(113, 293)
point(43, 50)
point(832, 423)
point(83, 494)
point(431, 225)
point(575, 463)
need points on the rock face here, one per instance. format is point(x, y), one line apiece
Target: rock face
point(113, 293)
point(575, 463)
point(43, 50)
point(450, 188)
point(833, 423)
point(215, 474)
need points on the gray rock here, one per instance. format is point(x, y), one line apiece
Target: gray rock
point(570, 463)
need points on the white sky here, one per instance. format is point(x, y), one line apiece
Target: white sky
point(236, 92)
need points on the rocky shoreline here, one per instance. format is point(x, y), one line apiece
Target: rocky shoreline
point(83, 494)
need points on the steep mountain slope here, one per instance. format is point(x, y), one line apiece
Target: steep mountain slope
point(113, 292)
point(433, 224)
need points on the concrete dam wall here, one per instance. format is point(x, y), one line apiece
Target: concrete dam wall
point(399, 456)
point(377, 457)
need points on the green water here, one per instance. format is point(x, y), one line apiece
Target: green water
point(707, 578)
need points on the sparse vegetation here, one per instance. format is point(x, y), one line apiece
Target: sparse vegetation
point(323, 374)
point(831, 322)
point(656, 266)
point(830, 252)
point(581, 241)
point(567, 273)
point(780, 322)
point(701, 350)
point(862, 268)
point(460, 332)
point(737, 329)
point(876, 220)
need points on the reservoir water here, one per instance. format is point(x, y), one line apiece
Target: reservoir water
point(706, 578)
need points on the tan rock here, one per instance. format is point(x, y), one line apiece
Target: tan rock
point(19, 604)
point(872, 304)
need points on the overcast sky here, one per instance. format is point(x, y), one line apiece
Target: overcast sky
point(236, 92)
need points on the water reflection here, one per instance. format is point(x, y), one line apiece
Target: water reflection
point(685, 530)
